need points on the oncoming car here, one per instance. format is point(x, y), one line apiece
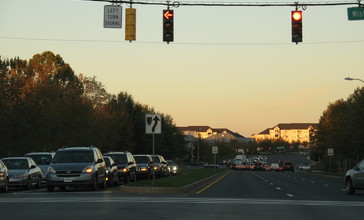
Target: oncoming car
point(75, 167)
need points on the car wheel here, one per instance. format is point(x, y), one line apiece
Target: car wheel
point(28, 184)
point(349, 186)
point(6, 187)
point(39, 183)
point(93, 186)
point(50, 188)
point(103, 184)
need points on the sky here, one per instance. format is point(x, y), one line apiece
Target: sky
point(228, 67)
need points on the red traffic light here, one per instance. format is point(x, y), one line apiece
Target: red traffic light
point(297, 15)
point(168, 14)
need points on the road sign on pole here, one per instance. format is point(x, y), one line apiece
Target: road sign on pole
point(112, 16)
point(153, 124)
point(215, 149)
point(356, 13)
point(330, 152)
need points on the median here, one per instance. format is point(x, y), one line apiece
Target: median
point(189, 180)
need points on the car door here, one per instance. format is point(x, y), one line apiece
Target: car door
point(359, 175)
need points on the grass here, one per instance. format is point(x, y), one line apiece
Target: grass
point(186, 177)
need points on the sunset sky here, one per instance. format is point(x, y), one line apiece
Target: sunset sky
point(228, 67)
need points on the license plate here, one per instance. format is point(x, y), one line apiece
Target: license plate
point(67, 180)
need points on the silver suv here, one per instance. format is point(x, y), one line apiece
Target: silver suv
point(354, 178)
point(77, 166)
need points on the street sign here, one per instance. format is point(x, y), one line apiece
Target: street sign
point(130, 24)
point(112, 16)
point(153, 124)
point(215, 149)
point(330, 152)
point(356, 13)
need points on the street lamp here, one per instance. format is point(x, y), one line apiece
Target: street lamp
point(349, 78)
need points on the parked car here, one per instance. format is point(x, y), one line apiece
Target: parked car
point(173, 167)
point(23, 172)
point(354, 178)
point(75, 167)
point(42, 159)
point(288, 166)
point(112, 176)
point(4, 178)
point(127, 165)
point(160, 166)
point(144, 165)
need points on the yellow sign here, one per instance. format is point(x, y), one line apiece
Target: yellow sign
point(130, 24)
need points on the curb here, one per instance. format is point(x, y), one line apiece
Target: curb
point(191, 188)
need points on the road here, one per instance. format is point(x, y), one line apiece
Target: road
point(239, 195)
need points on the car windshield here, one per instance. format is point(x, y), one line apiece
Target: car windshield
point(41, 159)
point(74, 156)
point(156, 159)
point(16, 163)
point(141, 159)
point(118, 158)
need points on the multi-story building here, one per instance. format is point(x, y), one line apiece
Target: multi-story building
point(290, 132)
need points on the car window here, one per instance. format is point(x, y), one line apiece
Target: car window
point(74, 156)
point(119, 158)
point(141, 159)
point(41, 159)
point(107, 161)
point(16, 164)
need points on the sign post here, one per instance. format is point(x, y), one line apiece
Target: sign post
point(215, 150)
point(330, 153)
point(153, 125)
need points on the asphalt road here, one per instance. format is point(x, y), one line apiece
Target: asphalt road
point(239, 195)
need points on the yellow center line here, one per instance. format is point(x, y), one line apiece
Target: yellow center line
point(208, 186)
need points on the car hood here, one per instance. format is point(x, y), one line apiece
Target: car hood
point(70, 166)
point(17, 171)
point(120, 166)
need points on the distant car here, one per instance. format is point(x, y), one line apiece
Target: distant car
point(112, 176)
point(354, 178)
point(144, 165)
point(23, 172)
point(4, 178)
point(173, 167)
point(42, 159)
point(275, 166)
point(77, 167)
point(288, 166)
point(304, 166)
point(160, 166)
point(127, 165)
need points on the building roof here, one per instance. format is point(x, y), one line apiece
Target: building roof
point(266, 131)
point(195, 128)
point(290, 126)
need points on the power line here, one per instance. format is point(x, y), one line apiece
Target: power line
point(230, 4)
point(179, 43)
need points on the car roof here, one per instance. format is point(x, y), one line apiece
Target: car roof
point(76, 148)
point(40, 153)
point(15, 158)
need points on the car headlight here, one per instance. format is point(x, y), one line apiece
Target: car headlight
point(174, 168)
point(107, 171)
point(124, 170)
point(143, 169)
point(88, 169)
point(51, 170)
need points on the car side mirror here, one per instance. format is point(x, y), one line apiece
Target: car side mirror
point(32, 167)
point(114, 165)
point(130, 163)
point(356, 168)
point(99, 161)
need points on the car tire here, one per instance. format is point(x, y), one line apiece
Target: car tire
point(93, 186)
point(50, 188)
point(28, 184)
point(39, 183)
point(349, 186)
point(6, 187)
point(103, 184)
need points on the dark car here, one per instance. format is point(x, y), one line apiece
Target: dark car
point(173, 167)
point(288, 166)
point(354, 178)
point(42, 159)
point(77, 167)
point(23, 172)
point(4, 178)
point(112, 176)
point(144, 165)
point(160, 166)
point(126, 165)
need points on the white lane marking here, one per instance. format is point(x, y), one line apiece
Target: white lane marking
point(271, 184)
point(265, 180)
point(313, 182)
point(278, 188)
point(343, 190)
point(303, 179)
point(326, 185)
point(290, 195)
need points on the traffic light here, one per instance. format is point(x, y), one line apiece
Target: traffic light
point(168, 18)
point(296, 17)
